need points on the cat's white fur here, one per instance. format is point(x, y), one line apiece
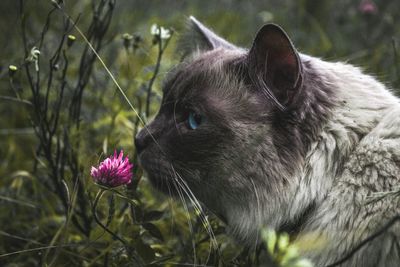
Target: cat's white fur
point(362, 140)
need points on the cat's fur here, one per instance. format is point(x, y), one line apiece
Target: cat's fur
point(289, 141)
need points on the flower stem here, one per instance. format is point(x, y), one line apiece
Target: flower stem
point(99, 194)
point(131, 251)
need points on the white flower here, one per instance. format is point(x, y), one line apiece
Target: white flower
point(160, 31)
point(34, 54)
point(34, 57)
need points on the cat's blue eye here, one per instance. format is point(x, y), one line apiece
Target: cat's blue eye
point(194, 120)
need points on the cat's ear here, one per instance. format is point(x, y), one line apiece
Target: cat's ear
point(199, 38)
point(274, 59)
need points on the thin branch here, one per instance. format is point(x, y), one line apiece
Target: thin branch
point(161, 49)
point(14, 99)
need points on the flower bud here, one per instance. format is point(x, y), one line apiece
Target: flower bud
point(368, 7)
point(127, 39)
point(12, 69)
point(70, 40)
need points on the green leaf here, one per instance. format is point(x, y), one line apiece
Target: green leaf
point(153, 231)
point(270, 238)
point(153, 215)
point(283, 241)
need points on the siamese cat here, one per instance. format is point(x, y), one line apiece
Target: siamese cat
point(270, 137)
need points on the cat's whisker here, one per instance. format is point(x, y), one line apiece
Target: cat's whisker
point(178, 188)
point(199, 212)
point(210, 185)
point(198, 209)
point(258, 210)
point(170, 203)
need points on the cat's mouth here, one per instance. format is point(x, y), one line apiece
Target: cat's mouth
point(161, 174)
point(171, 181)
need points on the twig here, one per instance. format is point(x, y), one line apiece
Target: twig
point(95, 52)
point(161, 49)
point(54, 139)
point(16, 100)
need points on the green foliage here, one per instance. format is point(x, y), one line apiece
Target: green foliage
point(62, 113)
point(282, 252)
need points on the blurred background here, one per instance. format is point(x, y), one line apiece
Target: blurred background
point(61, 113)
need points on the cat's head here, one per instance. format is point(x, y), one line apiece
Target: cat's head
point(229, 126)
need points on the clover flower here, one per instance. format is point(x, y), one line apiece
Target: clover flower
point(113, 171)
point(368, 7)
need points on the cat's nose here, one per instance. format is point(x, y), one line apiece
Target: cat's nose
point(148, 135)
point(142, 140)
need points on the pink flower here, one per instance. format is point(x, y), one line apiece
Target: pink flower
point(113, 171)
point(368, 7)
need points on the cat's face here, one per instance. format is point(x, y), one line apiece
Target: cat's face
point(218, 131)
point(208, 122)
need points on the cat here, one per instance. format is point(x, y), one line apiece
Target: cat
point(270, 137)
